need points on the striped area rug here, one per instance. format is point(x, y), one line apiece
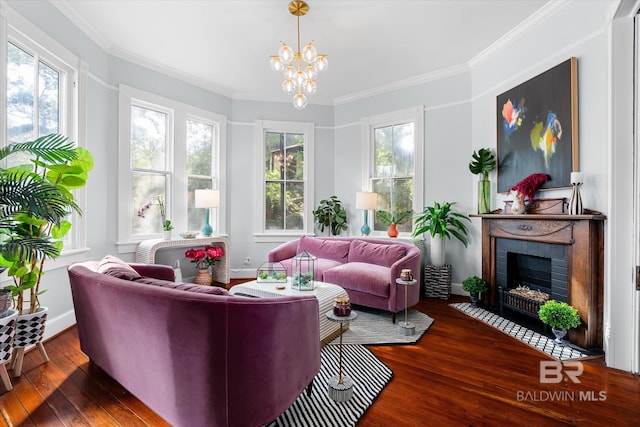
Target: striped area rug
point(369, 375)
point(374, 327)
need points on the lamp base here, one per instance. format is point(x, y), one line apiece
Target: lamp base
point(365, 230)
point(206, 230)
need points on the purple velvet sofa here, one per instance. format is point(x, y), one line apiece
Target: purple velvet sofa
point(366, 268)
point(194, 357)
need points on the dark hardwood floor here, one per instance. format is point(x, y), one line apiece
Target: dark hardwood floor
point(461, 373)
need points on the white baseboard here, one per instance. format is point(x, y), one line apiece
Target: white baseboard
point(58, 324)
point(243, 273)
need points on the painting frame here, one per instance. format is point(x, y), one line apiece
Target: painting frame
point(537, 128)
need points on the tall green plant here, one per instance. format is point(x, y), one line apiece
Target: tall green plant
point(559, 315)
point(440, 220)
point(36, 199)
point(332, 215)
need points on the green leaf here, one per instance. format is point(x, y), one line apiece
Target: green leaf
point(58, 231)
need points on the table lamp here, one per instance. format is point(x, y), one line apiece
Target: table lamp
point(366, 200)
point(207, 199)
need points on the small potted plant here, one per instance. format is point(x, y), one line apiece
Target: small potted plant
point(560, 316)
point(393, 220)
point(167, 227)
point(475, 286)
point(441, 222)
point(203, 258)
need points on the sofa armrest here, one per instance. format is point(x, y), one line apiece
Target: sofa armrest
point(156, 271)
point(412, 260)
point(284, 251)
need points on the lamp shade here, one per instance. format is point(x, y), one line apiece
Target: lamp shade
point(366, 200)
point(207, 199)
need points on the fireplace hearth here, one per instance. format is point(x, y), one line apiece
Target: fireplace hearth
point(558, 254)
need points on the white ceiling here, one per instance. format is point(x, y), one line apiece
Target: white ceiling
point(372, 45)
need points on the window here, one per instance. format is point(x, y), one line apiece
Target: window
point(286, 165)
point(169, 150)
point(393, 151)
point(43, 90)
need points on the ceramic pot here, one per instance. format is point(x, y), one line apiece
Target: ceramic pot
point(559, 334)
point(437, 250)
point(392, 231)
point(166, 234)
point(5, 302)
point(203, 277)
point(518, 207)
point(474, 299)
point(29, 331)
point(7, 332)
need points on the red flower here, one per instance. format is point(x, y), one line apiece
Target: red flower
point(203, 258)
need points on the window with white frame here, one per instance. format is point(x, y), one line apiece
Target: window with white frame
point(285, 192)
point(168, 150)
point(42, 97)
point(393, 158)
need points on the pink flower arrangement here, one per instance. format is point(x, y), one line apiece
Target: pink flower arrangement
point(203, 258)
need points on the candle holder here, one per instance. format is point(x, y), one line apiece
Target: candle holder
point(575, 202)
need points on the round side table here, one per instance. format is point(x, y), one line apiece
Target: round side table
point(341, 386)
point(406, 328)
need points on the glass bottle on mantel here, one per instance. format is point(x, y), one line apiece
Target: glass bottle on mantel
point(484, 196)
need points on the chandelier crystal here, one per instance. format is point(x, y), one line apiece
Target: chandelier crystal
point(300, 67)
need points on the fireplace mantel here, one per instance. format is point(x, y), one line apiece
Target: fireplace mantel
point(584, 236)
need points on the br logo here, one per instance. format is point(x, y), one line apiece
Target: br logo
point(555, 371)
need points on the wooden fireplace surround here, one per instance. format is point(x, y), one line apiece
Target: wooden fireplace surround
point(584, 234)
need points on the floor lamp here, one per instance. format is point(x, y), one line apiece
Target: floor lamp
point(207, 199)
point(366, 200)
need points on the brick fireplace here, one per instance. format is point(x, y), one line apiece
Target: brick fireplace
point(558, 254)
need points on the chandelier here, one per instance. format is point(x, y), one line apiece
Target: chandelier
point(300, 67)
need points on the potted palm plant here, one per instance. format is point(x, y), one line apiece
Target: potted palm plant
point(483, 162)
point(475, 286)
point(393, 220)
point(36, 199)
point(560, 316)
point(331, 214)
point(441, 222)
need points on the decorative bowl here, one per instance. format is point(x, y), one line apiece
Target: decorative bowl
point(189, 234)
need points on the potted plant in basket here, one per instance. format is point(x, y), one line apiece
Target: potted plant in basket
point(204, 258)
point(483, 162)
point(475, 286)
point(393, 220)
point(331, 214)
point(33, 232)
point(560, 316)
point(441, 222)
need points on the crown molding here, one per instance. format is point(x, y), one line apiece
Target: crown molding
point(542, 14)
point(67, 10)
point(400, 84)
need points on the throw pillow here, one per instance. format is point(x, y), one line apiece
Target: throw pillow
point(375, 253)
point(336, 250)
point(112, 266)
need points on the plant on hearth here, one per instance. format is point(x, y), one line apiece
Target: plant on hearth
point(35, 202)
point(474, 285)
point(559, 315)
point(205, 257)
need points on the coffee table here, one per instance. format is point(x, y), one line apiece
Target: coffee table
point(326, 293)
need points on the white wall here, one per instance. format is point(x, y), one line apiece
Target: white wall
point(459, 118)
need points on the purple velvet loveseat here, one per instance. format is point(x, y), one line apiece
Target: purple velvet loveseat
point(196, 358)
point(366, 268)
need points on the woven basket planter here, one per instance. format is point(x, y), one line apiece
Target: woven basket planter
point(437, 281)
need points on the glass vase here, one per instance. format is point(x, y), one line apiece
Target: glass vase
point(484, 196)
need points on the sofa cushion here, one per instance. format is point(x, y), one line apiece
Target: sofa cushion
point(189, 287)
point(322, 265)
point(113, 266)
point(360, 276)
point(336, 250)
point(375, 253)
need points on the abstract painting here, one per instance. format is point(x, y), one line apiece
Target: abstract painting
point(538, 128)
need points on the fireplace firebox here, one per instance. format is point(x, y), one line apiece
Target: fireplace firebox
point(558, 254)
